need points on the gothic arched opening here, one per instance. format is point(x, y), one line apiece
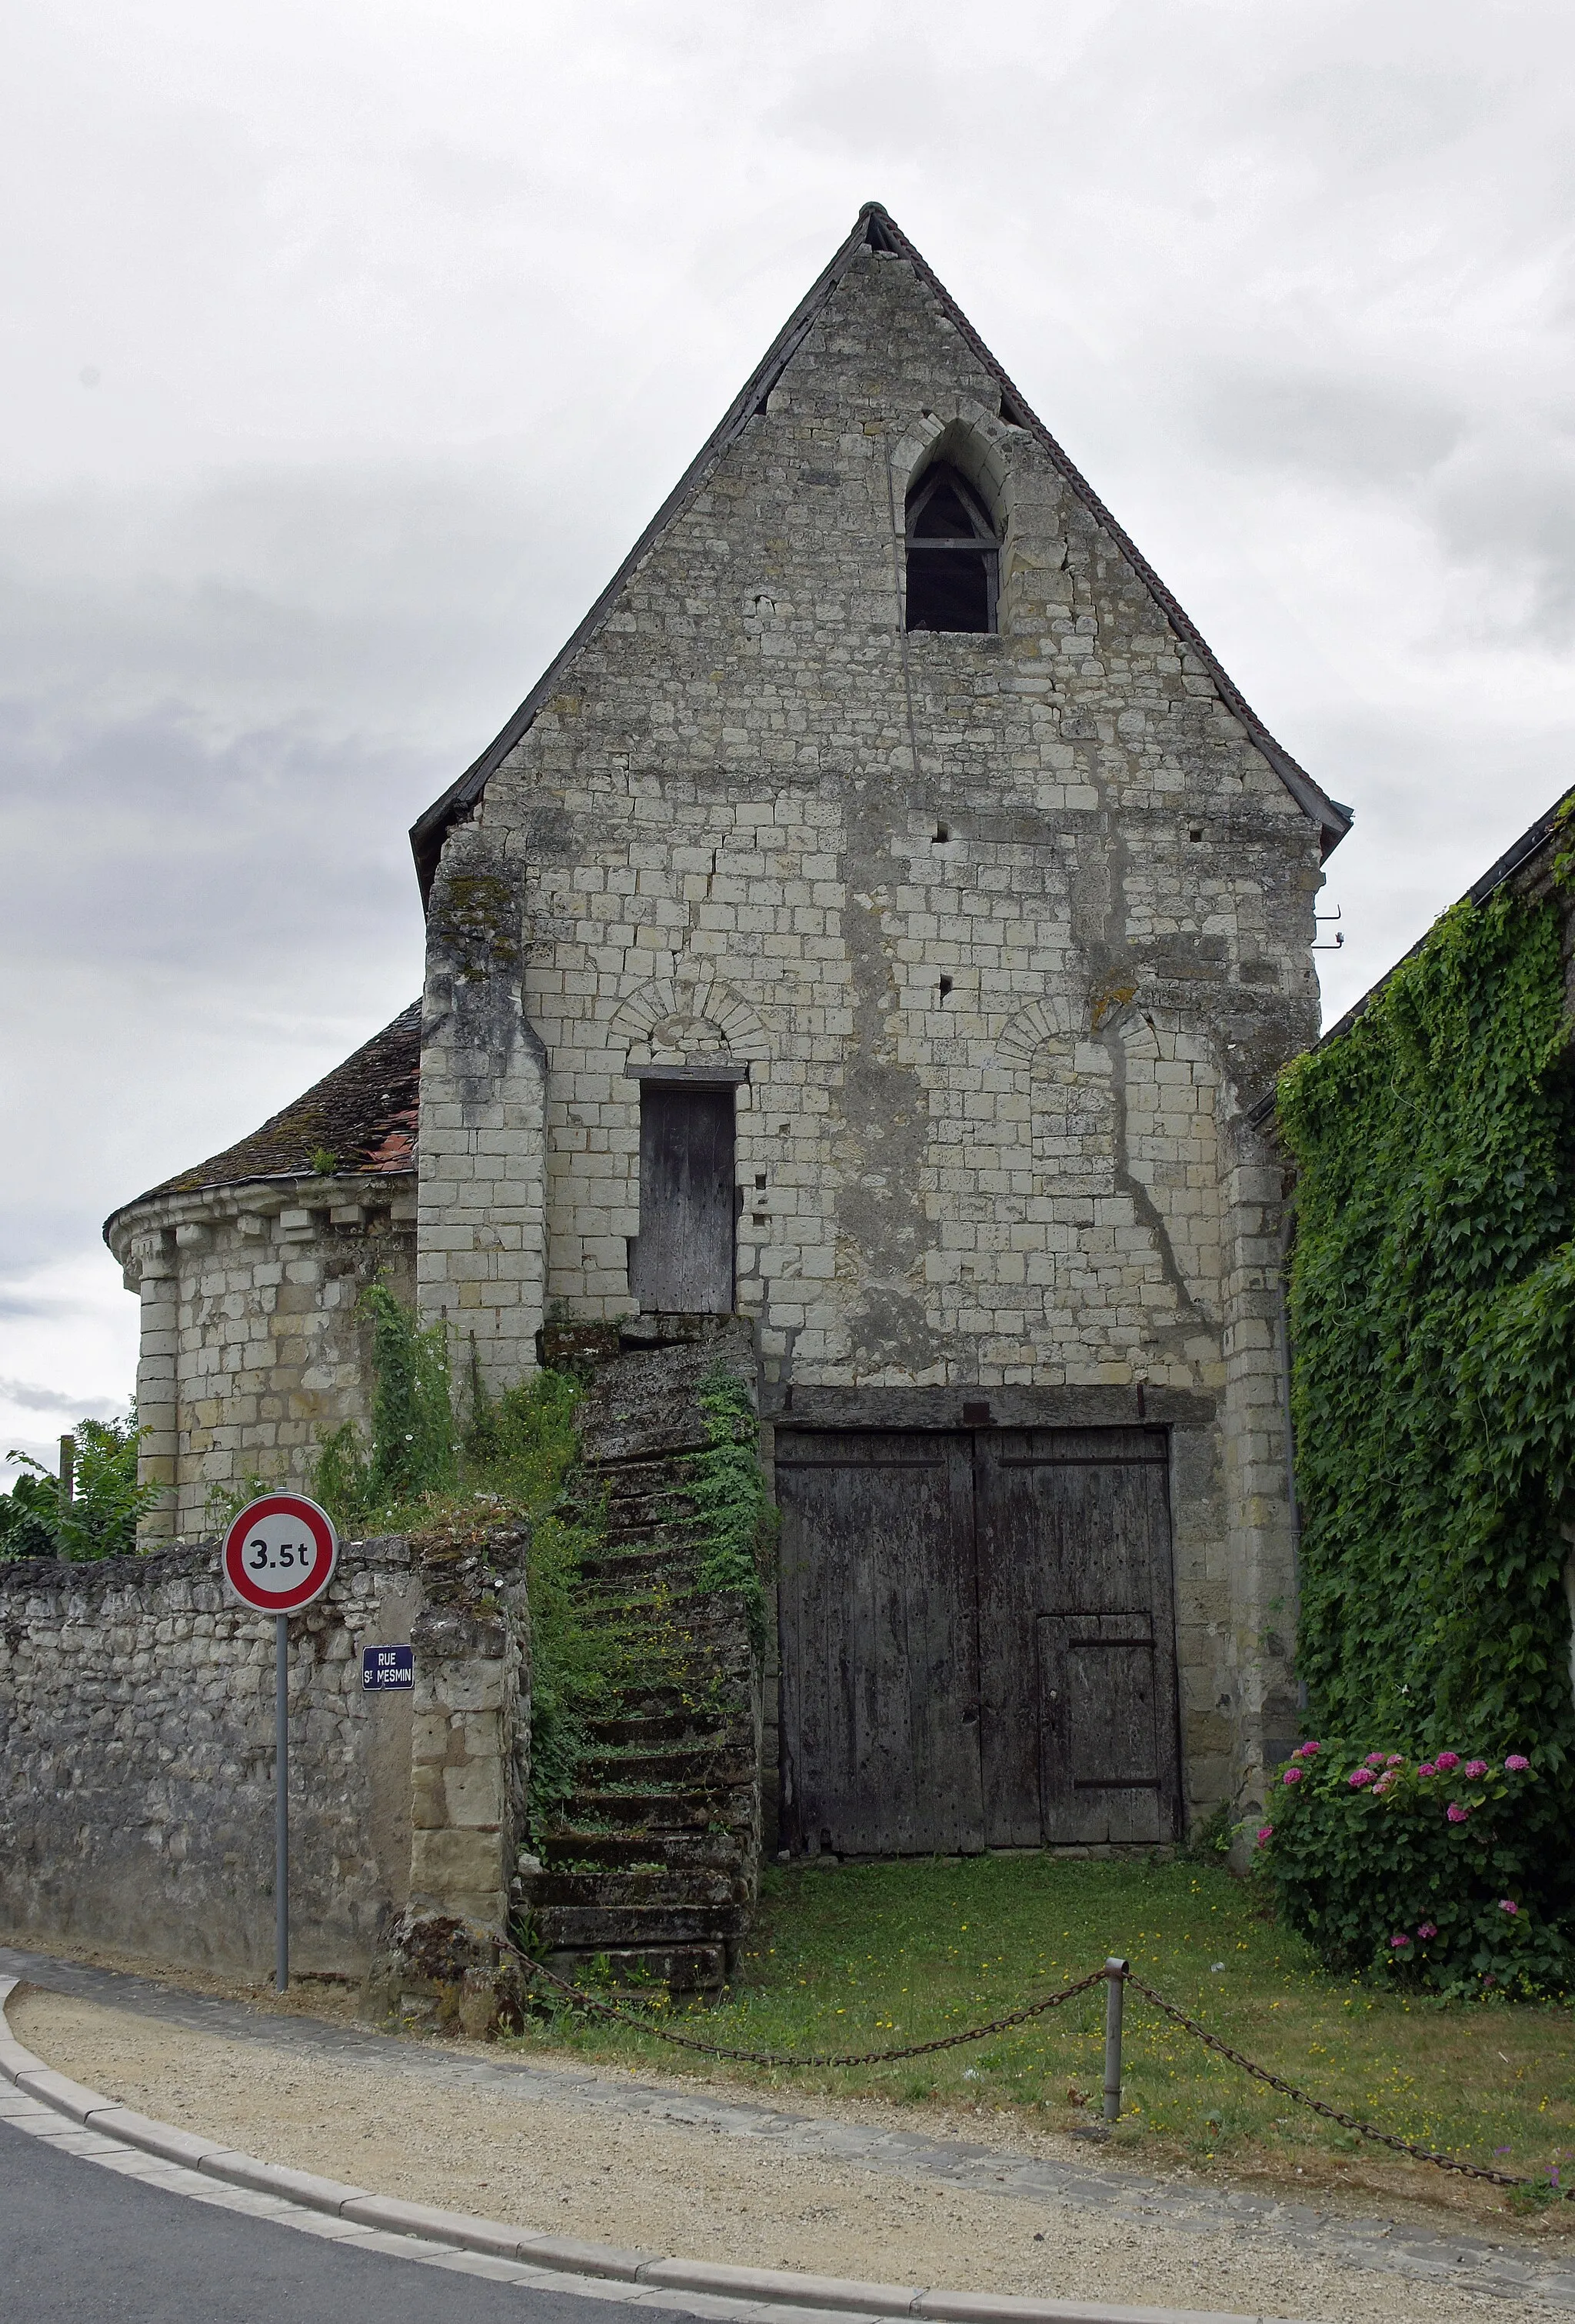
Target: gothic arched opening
point(951, 554)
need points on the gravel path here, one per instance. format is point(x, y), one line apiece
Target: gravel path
point(629, 2160)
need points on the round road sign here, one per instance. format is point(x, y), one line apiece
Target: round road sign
point(280, 1552)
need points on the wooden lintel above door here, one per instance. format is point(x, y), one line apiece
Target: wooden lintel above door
point(719, 1075)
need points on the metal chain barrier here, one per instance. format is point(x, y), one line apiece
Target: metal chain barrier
point(1319, 2105)
point(583, 2000)
point(580, 1999)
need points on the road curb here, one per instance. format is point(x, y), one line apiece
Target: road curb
point(497, 2239)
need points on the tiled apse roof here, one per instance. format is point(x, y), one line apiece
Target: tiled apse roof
point(363, 1113)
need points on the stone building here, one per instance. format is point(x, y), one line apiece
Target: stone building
point(879, 922)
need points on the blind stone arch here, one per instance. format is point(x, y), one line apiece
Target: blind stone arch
point(686, 1018)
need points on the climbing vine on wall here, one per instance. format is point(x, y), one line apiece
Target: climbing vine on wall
point(728, 1488)
point(1432, 1313)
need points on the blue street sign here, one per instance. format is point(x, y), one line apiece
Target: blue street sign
point(382, 1667)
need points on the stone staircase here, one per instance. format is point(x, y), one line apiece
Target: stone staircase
point(654, 1864)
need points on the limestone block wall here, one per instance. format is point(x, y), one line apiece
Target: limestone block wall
point(482, 1230)
point(253, 1346)
point(1010, 930)
point(136, 1727)
point(470, 1755)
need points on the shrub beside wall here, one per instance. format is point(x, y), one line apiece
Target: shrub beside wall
point(1450, 1871)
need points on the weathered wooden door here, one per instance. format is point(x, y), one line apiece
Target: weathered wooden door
point(880, 1704)
point(1101, 1723)
point(683, 1260)
point(1076, 1522)
point(978, 1642)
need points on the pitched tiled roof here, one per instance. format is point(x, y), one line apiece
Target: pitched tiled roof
point(875, 229)
point(362, 1113)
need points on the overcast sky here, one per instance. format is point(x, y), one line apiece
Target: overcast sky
point(345, 348)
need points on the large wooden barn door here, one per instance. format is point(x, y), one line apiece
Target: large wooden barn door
point(978, 1641)
point(683, 1260)
point(879, 1668)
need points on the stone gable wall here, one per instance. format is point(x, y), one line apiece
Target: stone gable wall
point(1008, 929)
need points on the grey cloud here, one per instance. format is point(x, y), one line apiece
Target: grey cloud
point(1377, 114)
point(1507, 514)
point(28, 1395)
point(366, 595)
point(1328, 425)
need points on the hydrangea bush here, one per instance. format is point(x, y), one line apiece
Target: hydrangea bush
point(1451, 1870)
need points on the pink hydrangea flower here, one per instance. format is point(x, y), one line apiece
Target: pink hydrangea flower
point(1310, 1750)
point(1358, 1776)
point(1475, 1770)
point(1507, 1904)
point(1427, 1768)
point(1425, 1928)
point(1291, 1775)
point(1456, 1813)
point(1449, 1761)
point(1375, 1759)
point(1395, 1759)
point(1385, 1785)
point(1398, 1943)
point(1265, 1831)
point(1517, 1763)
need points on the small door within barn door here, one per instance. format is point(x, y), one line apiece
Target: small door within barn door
point(682, 1259)
point(880, 1701)
point(1102, 1743)
point(1076, 1522)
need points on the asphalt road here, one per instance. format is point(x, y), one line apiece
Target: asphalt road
point(80, 2245)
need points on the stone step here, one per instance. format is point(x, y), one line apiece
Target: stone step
point(602, 1928)
point(631, 1528)
point(665, 1499)
point(711, 1624)
point(633, 1970)
point(624, 1480)
point(621, 1569)
point(606, 1890)
point(661, 1525)
point(670, 1810)
point(721, 1765)
point(642, 1728)
point(672, 1849)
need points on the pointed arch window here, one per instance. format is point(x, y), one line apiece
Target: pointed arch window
point(953, 555)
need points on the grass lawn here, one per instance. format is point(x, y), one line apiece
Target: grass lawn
point(872, 1955)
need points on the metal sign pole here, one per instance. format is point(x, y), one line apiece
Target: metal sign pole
point(281, 1802)
point(279, 1556)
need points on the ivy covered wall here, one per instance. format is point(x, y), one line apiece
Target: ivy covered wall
point(1432, 1318)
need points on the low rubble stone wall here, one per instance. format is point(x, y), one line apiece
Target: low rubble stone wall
point(136, 1748)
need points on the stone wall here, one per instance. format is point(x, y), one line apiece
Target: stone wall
point(482, 1144)
point(136, 1727)
point(1009, 931)
point(253, 1344)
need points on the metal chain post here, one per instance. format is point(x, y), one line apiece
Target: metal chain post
point(1114, 1995)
